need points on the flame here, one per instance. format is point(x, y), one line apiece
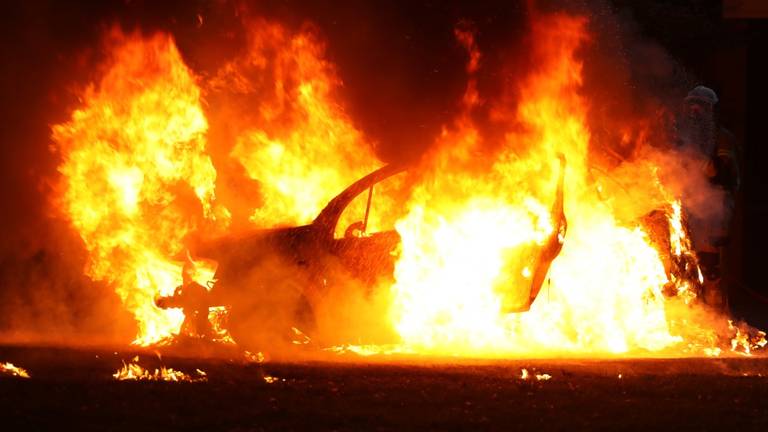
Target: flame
point(369, 350)
point(299, 338)
point(134, 372)
point(299, 145)
point(139, 180)
point(9, 368)
point(269, 379)
point(524, 375)
point(250, 357)
point(218, 316)
point(686, 274)
point(466, 232)
point(137, 173)
point(745, 340)
point(132, 156)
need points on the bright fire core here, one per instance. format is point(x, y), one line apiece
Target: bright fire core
point(142, 172)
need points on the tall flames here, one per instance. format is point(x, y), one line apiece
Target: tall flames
point(464, 234)
point(155, 154)
point(137, 170)
point(137, 178)
point(296, 141)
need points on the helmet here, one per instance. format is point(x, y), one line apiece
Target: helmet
point(703, 94)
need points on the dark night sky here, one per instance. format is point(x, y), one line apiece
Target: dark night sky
point(390, 55)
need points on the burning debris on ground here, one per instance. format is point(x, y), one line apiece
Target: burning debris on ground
point(231, 202)
point(10, 369)
point(706, 393)
point(134, 371)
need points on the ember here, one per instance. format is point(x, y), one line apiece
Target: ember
point(271, 380)
point(134, 372)
point(254, 358)
point(8, 368)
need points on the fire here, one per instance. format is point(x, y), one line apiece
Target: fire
point(743, 341)
point(9, 368)
point(133, 159)
point(218, 317)
point(297, 142)
point(250, 357)
point(473, 222)
point(466, 233)
point(524, 375)
point(269, 379)
point(137, 172)
point(156, 155)
point(134, 372)
point(686, 274)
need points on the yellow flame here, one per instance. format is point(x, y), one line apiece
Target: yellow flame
point(138, 180)
point(134, 372)
point(9, 368)
point(300, 146)
point(130, 155)
point(467, 238)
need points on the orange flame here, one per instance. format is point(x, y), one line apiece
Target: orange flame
point(134, 162)
point(9, 368)
point(299, 144)
point(134, 372)
point(138, 179)
point(466, 233)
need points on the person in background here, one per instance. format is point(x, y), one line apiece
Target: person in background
point(715, 150)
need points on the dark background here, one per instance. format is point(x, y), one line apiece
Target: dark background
point(403, 74)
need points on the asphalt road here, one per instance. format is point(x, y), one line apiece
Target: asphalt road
point(73, 389)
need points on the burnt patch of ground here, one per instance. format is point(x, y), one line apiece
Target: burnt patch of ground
point(74, 390)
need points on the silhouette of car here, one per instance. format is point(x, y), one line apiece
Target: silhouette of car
point(272, 279)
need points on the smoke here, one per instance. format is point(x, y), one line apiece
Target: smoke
point(43, 293)
point(46, 298)
point(636, 89)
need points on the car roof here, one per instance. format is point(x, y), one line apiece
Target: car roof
point(328, 218)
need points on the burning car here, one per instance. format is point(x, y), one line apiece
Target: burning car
point(295, 265)
point(157, 156)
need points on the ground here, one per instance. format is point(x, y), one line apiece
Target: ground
point(73, 389)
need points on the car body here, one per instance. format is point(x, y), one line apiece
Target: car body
point(259, 273)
